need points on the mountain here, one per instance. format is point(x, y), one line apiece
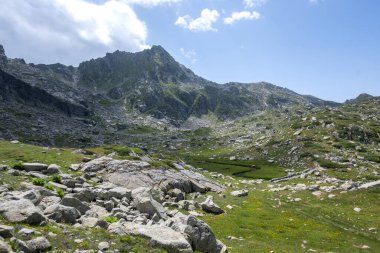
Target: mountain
point(108, 94)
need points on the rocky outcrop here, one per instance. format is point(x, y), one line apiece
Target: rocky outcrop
point(135, 174)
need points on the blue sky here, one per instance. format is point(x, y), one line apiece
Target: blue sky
point(326, 48)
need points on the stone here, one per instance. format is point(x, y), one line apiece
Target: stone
point(76, 203)
point(26, 232)
point(120, 192)
point(240, 193)
point(22, 211)
point(199, 234)
point(39, 244)
point(210, 207)
point(146, 204)
point(102, 246)
point(53, 169)
point(34, 166)
point(62, 214)
point(357, 209)
point(5, 247)
point(84, 194)
point(177, 194)
point(74, 167)
point(6, 231)
point(32, 195)
point(92, 222)
point(49, 201)
point(160, 236)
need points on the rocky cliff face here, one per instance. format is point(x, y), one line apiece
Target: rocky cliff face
point(112, 91)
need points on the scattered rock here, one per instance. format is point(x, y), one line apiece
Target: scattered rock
point(102, 246)
point(76, 203)
point(61, 213)
point(209, 206)
point(239, 193)
point(357, 209)
point(39, 244)
point(146, 204)
point(53, 169)
point(119, 193)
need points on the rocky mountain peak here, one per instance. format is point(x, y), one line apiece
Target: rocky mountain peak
point(3, 57)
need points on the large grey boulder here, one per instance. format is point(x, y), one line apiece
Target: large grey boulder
point(53, 169)
point(210, 207)
point(37, 245)
point(146, 204)
point(35, 166)
point(76, 203)
point(84, 194)
point(22, 210)
point(199, 234)
point(49, 201)
point(62, 214)
point(161, 236)
point(119, 193)
point(33, 195)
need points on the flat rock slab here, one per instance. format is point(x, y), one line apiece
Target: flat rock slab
point(369, 185)
point(35, 166)
point(135, 174)
point(165, 237)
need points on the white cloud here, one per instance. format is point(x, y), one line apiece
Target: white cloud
point(189, 54)
point(254, 3)
point(243, 15)
point(151, 2)
point(314, 1)
point(69, 31)
point(202, 24)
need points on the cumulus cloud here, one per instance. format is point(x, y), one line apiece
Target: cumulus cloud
point(203, 23)
point(189, 54)
point(243, 15)
point(253, 3)
point(151, 2)
point(69, 31)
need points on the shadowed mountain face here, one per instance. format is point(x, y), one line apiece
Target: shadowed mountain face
point(114, 89)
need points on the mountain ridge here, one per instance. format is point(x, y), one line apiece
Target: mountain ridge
point(122, 89)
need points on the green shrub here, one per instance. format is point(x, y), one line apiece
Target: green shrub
point(60, 192)
point(49, 187)
point(17, 165)
point(111, 219)
point(38, 181)
point(56, 179)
